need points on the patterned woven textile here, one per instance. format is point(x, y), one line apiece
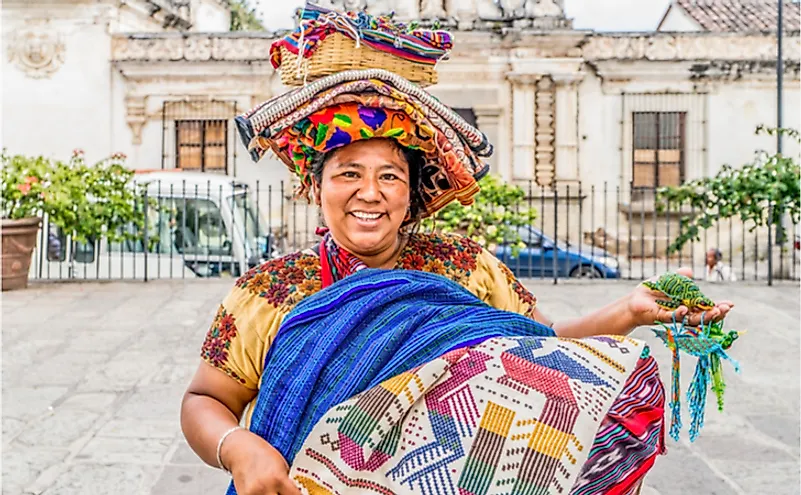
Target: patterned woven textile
point(428, 390)
point(337, 110)
point(380, 33)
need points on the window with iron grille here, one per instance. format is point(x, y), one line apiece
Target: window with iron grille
point(659, 145)
point(201, 145)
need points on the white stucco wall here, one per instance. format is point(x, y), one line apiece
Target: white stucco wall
point(72, 108)
point(677, 20)
point(736, 109)
point(719, 128)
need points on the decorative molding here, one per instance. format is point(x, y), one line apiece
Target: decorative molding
point(136, 116)
point(544, 168)
point(195, 47)
point(689, 46)
point(522, 79)
point(488, 113)
point(37, 49)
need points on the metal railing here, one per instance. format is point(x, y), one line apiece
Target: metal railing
point(217, 228)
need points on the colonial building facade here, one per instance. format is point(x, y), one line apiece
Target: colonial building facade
point(160, 81)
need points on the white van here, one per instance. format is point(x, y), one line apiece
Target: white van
point(205, 225)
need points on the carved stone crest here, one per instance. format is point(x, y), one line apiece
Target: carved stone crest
point(37, 50)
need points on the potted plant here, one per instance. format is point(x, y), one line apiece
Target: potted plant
point(88, 202)
point(23, 181)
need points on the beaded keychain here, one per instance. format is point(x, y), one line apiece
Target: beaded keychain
point(709, 344)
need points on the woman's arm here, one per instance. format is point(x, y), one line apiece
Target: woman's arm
point(631, 311)
point(212, 405)
point(614, 319)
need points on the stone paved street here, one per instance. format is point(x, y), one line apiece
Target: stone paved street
point(93, 376)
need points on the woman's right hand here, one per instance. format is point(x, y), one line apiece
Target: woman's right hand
point(258, 468)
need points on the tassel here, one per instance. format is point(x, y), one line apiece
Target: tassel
point(675, 398)
point(708, 343)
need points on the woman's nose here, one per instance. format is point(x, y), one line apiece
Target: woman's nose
point(369, 190)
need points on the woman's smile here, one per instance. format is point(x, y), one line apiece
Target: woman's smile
point(367, 219)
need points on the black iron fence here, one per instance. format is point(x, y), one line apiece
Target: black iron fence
point(201, 227)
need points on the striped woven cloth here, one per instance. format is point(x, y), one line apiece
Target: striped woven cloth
point(454, 157)
point(394, 381)
point(379, 33)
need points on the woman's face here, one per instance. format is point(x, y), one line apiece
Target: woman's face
point(364, 196)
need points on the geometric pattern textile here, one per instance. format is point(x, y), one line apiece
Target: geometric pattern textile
point(507, 416)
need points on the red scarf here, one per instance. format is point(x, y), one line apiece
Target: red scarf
point(335, 263)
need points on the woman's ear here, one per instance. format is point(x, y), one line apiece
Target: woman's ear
point(317, 193)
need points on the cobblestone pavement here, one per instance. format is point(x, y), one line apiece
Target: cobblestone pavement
point(93, 376)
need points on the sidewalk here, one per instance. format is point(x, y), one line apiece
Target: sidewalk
point(93, 376)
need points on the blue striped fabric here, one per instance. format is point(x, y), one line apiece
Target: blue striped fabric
point(360, 331)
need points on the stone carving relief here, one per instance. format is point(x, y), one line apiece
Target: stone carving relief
point(464, 11)
point(195, 47)
point(37, 50)
point(345, 4)
point(529, 9)
point(431, 9)
point(545, 8)
point(688, 47)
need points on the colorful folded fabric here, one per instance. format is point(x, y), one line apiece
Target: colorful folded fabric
point(428, 390)
point(337, 110)
point(379, 33)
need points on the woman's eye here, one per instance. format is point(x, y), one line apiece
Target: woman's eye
point(350, 175)
point(389, 177)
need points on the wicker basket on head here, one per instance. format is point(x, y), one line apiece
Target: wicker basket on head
point(337, 53)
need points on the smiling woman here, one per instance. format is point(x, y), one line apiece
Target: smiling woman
point(356, 320)
point(367, 191)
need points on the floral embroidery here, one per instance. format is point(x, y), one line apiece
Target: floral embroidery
point(284, 281)
point(218, 342)
point(524, 294)
point(450, 255)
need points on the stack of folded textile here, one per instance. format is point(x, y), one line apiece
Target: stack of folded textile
point(361, 104)
point(326, 42)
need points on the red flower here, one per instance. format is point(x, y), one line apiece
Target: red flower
point(226, 327)
point(277, 294)
point(215, 352)
point(415, 262)
point(464, 261)
point(24, 188)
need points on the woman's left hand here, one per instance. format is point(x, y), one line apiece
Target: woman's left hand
point(644, 310)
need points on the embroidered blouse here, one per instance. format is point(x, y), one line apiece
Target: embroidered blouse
point(251, 314)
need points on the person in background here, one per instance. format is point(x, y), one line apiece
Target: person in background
point(716, 269)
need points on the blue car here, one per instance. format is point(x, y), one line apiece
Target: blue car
point(542, 257)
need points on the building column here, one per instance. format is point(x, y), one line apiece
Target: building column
point(523, 126)
point(567, 128)
point(545, 170)
point(488, 119)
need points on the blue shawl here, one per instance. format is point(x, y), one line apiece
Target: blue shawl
point(362, 330)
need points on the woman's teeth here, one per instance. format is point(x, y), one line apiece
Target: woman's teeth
point(366, 216)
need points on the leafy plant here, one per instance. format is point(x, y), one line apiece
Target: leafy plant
point(491, 219)
point(760, 193)
point(243, 17)
point(23, 181)
point(94, 201)
point(86, 201)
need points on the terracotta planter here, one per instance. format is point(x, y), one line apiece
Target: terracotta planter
point(19, 240)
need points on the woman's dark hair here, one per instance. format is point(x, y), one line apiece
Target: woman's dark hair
point(414, 158)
